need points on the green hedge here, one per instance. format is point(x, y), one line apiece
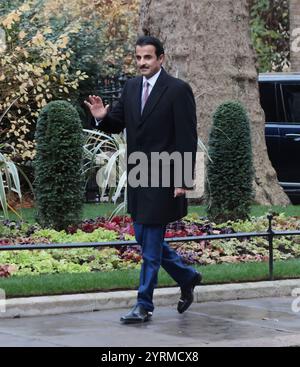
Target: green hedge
point(229, 188)
point(58, 166)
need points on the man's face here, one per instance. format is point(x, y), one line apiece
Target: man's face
point(147, 61)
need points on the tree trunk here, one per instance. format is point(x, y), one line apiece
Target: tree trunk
point(207, 43)
point(295, 34)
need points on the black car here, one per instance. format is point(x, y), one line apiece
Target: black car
point(280, 99)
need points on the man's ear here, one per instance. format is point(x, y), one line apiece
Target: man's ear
point(162, 58)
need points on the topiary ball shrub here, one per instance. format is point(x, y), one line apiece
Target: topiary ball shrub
point(229, 181)
point(59, 184)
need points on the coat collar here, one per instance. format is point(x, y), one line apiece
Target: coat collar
point(159, 88)
point(152, 81)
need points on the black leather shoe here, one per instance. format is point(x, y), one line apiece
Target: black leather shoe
point(187, 293)
point(137, 315)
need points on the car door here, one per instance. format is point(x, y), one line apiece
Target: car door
point(289, 131)
point(268, 102)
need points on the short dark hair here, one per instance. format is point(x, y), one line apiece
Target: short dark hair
point(149, 40)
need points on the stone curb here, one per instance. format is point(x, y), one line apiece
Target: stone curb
point(55, 305)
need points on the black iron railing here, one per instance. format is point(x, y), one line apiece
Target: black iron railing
point(269, 234)
point(110, 88)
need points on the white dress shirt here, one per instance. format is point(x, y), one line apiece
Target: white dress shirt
point(151, 81)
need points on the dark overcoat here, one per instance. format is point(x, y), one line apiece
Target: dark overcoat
point(167, 124)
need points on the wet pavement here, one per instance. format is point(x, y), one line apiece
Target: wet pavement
point(254, 322)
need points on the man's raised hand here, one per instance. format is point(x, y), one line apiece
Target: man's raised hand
point(179, 192)
point(96, 107)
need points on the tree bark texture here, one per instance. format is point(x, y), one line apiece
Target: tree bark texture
point(207, 43)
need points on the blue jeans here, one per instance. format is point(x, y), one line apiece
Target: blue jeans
point(157, 252)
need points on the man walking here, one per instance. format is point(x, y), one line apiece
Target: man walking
point(159, 114)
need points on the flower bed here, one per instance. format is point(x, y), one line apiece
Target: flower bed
point(121, 228)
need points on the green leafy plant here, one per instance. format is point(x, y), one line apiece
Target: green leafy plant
point(229, 189)
point(9, 181)
point(269, 24)
point(9, 177)
point(107, 154)
point(82, 260)
point(98, 235)
point(35, 69)
point(61, 261)
point(58, 166)
point(59, 50)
